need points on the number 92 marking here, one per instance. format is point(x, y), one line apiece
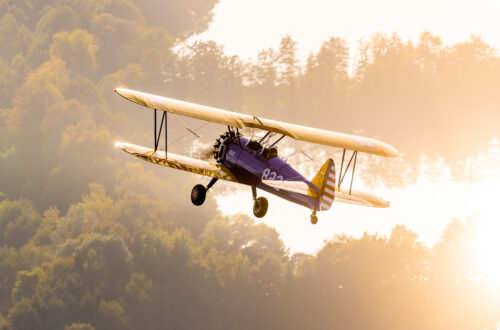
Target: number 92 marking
point(267, 174)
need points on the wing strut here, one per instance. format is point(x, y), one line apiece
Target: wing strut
point(158, 132)
point(343, 173)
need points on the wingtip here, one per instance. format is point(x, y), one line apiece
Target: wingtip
point(394, 152)
point(390, 151)
point(120, 145)
point(123, 92)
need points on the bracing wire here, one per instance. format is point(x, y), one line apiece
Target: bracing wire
point(187, 134)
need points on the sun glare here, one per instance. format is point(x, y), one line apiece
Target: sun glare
point(488, 249)
point(488, 239)
point(443, 198)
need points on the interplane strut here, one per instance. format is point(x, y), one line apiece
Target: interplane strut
point(158, 133)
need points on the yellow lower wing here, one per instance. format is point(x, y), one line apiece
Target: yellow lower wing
point(361, 198)
point(355, 197)
point(177, 161)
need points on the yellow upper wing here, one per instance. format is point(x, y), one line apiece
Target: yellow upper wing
point(224, 117)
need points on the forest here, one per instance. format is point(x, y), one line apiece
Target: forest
point(92, 239)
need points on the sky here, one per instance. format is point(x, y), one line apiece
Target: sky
point(245, 27)
point(426, 207)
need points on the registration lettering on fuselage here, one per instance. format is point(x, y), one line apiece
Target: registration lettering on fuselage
point(269, 174)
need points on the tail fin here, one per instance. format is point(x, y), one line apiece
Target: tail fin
point(325, 179)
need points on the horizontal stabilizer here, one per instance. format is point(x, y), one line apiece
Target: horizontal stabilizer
point(300, 187)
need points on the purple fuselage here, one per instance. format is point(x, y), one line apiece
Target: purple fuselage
point(251, 165)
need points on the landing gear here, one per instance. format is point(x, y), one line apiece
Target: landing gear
point(198, 194)
point(260, 204)
point(314, 218)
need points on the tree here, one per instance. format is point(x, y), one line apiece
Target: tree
point(3, 323)
point(78, 49)
point(79, 326)
point(180, 18)
point(209, 76)
point(111, 315)
point(54, 20)
point(262, 78)
point(14, 37)
point(288, 63)
point(326, 81)
point(123, 9)
point(24, 316)
point(9, 82)
point(430, 50)
point(18, 222)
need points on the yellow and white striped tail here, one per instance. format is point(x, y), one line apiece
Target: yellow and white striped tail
point(325, 179)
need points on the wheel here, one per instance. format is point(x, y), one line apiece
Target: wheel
point(260, 206)
point(198, 194)
point(314, 219)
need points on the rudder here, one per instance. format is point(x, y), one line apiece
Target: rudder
point(325, 179)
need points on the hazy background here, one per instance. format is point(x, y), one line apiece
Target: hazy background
point(92, 238)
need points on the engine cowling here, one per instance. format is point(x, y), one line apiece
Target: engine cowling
point(220, 147)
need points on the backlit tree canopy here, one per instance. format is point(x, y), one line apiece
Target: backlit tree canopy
point(91, 239)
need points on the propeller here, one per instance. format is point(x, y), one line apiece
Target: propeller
point(202, 151)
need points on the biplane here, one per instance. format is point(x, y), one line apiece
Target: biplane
point(254, 161)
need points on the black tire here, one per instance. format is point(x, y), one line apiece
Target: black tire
point(260, 206)
point(314, 219)
point(198, 194)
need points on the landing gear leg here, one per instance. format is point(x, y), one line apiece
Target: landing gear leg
point(314, 218)
point(211, 183)
point(260, 204)
point(254, 192)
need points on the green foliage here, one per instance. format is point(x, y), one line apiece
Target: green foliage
point(55, 20)
point(119, 8)
point(24, 316)
point(111, 315)
point(9, 82)
point(14, 37)
point(18, 222)
point(3, 323)
point(119, 247)
point(236, 272)
point(10, 264)
point(103, 258)
point(288, 63)
point(26, 284)
point(78, 49)
point(79, 326)
point(191, 16)
point(41, 89)
point(217, 76)
point(140, 288)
